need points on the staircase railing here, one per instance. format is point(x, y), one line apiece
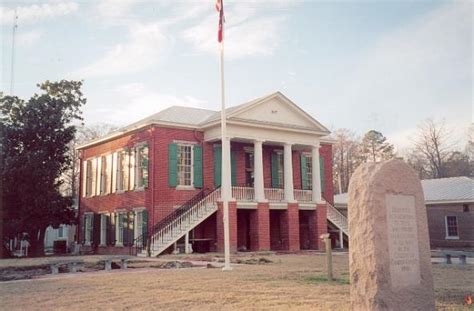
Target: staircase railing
point(143, 241)
point(337, 218)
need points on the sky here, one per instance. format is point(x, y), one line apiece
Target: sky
point(384, 65)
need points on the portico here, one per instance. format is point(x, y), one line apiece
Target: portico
point(276, 174)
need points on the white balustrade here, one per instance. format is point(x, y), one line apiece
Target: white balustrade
point(274, 194)
point(243, 193)
point(303, 195)
point(337, 218)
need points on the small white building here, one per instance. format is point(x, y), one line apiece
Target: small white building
point(64, 233)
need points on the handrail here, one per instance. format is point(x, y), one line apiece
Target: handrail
point(143, 241)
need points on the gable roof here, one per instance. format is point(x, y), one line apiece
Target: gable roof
point(233, 112)
point(180, 116)
point(440, 190)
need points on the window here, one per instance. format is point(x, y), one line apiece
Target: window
point(122, 170)
point(141, 166)
point(185, 167)
point(277, 169)
point(120, 228)
point(249, 171)
point(451, 227)
point(61, 232)
point(103, 229)
point(88, 218)
point(104, 178)
point(139, 226)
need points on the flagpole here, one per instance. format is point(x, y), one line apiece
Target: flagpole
point(226, 187)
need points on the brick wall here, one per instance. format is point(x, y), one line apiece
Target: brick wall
point(437, 228)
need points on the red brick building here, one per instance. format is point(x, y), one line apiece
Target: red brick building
point(154, 185)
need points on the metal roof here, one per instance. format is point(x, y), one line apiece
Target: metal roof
point(441, 190)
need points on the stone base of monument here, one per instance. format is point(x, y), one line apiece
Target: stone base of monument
point(390, 265)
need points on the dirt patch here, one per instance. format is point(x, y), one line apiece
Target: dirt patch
point(22, 273)
point(254, 261)
point(174, 265)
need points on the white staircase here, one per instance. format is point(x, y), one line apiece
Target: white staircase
point(338, 219)
point(176, 228)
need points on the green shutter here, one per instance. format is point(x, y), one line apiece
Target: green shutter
point(233, 168)
point(144, 166)
point(172, 165)
point(197, 166)
point(321, 170)
point(304, 173)
point(217, 166)
point(275, 181)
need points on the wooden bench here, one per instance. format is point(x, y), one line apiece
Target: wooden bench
point(72, 265)
point(123, 262)
point(461, 255)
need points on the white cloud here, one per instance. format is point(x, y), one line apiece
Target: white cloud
point(135, 101)
point(248, 32)
point(29, 38)
point(146, 46)
point(419, 71)
point(34, 13)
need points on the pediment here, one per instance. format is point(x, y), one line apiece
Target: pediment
point(276, 110)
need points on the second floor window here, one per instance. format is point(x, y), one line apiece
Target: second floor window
point(122, 170)
point(277, 170)
point(185, 165)
point(104, 178)
point(309, 172)
point(141, 166)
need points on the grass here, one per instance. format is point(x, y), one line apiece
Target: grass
point(323, 279)
point(290, 282)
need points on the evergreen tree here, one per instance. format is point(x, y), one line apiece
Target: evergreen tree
point(375, 148)
point(35, 136)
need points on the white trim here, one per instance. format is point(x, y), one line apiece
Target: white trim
point(184, 142)
point(138, 209)
point(185, 188)
point(451, 237)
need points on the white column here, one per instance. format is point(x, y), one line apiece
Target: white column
point(258, 171)
point(186, 243)
point(341, 238)
point(288, 173)
point(316, 182)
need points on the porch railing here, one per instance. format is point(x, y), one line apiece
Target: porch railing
point(303, 195)
point(274, 194)
point(243, 193)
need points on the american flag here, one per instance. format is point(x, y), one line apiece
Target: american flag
point(220, 9)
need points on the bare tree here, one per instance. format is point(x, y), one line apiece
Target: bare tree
point(432, 144)
point(346, 157)
point(84, 134)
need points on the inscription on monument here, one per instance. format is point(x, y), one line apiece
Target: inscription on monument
point(402, 240)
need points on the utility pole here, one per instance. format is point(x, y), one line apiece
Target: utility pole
point(12, 72)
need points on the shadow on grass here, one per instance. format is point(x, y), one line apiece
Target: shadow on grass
point(319, 279)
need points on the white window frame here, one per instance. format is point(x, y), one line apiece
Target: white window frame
point(122, 155)
point(103, 230)
point(138, 222)
point(88, 223)
point(138, 167)
point(181, 186)
point(451, 237)
point(119, 228)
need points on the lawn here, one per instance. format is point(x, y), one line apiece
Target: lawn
point(292, 281)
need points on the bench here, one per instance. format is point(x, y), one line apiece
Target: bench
point(123, 262)
point(72, 265)
point(461, 255)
